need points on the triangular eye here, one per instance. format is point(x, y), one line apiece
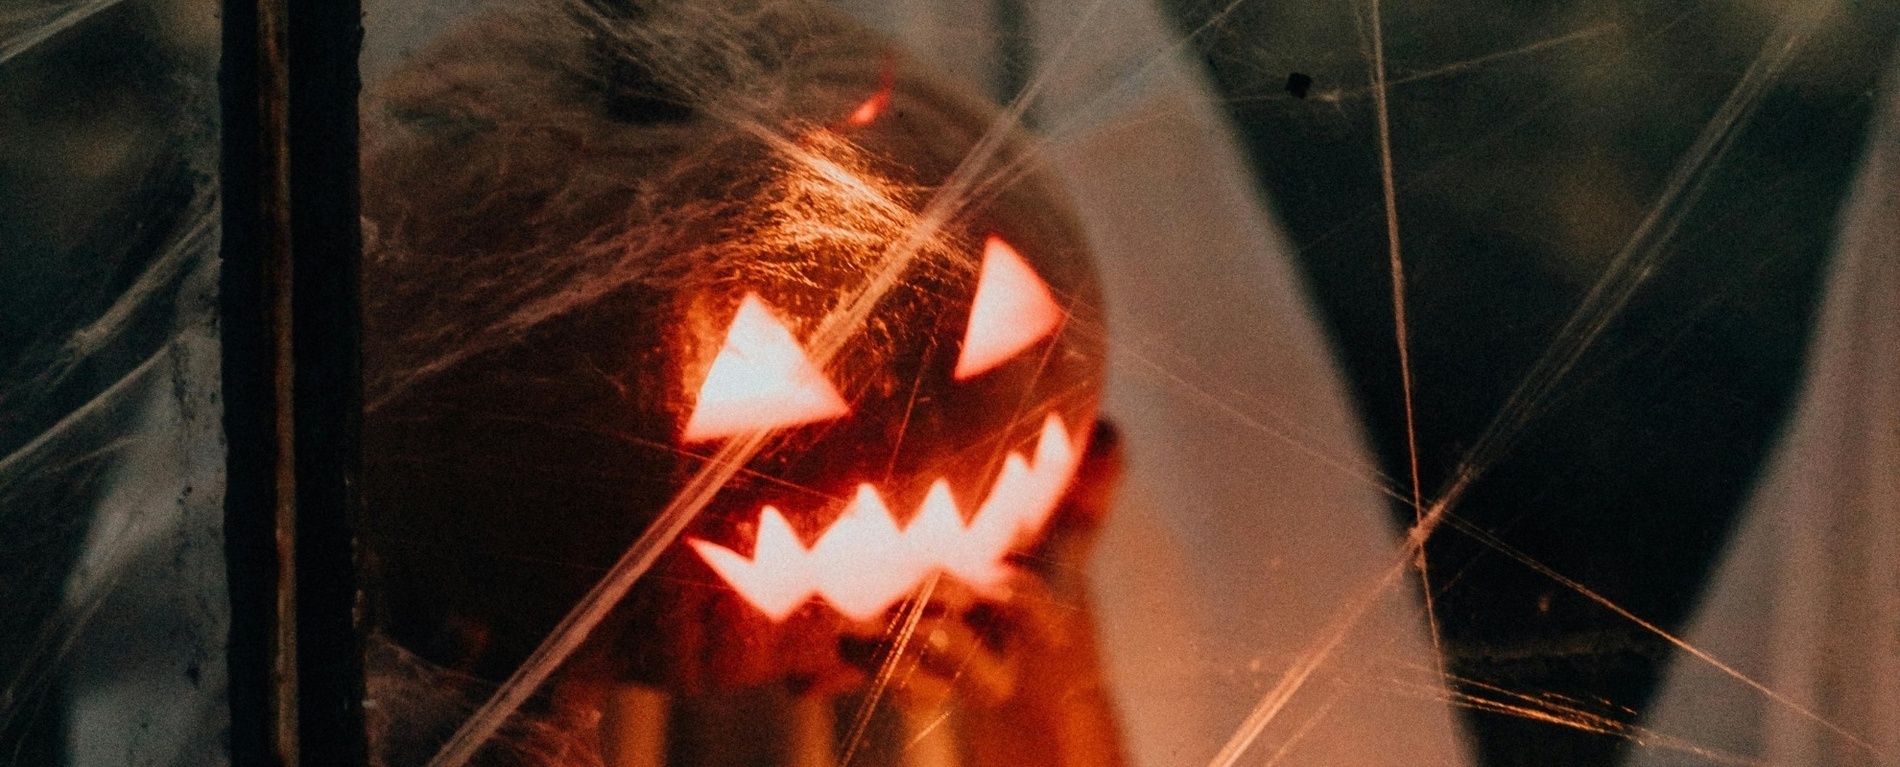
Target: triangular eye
point(760, 380)
point(1013, 310)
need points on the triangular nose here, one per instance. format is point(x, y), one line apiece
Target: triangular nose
point(1013, 310)
point(760, 380)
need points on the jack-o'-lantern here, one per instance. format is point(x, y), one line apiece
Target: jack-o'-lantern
point(607, 242)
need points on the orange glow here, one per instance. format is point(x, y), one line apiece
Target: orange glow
point(1013, 309)
point(863, 563)
point(867, 112)
point(760, 380)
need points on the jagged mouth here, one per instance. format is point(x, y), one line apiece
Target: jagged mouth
point(865, 562)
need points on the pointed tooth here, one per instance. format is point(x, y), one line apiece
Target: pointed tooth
point(938, 527)
point(939, 537)
point(1054, 446)
point(776, 541)
point(987, 539)
point(775, 586)
point(1015, 494)
point(861, 562)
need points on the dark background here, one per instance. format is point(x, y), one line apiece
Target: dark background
point(1530, 138)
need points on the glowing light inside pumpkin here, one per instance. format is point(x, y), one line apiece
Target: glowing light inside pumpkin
point(867, 112)
point(1013, 310)
point(863, 563)
point(761, 379)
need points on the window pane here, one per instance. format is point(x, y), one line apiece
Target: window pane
point(687, 401)
point(688, 404)
point(111, 454)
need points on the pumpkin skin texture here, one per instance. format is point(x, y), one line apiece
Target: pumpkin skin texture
point(565, 211)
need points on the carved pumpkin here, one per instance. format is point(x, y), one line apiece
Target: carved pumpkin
point(584, 278)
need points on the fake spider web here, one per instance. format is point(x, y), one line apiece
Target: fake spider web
point(1216, 369)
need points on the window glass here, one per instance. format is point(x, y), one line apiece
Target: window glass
point(999, 382)
point(111, 453)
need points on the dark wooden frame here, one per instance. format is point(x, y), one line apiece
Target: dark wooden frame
point(292, 379)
